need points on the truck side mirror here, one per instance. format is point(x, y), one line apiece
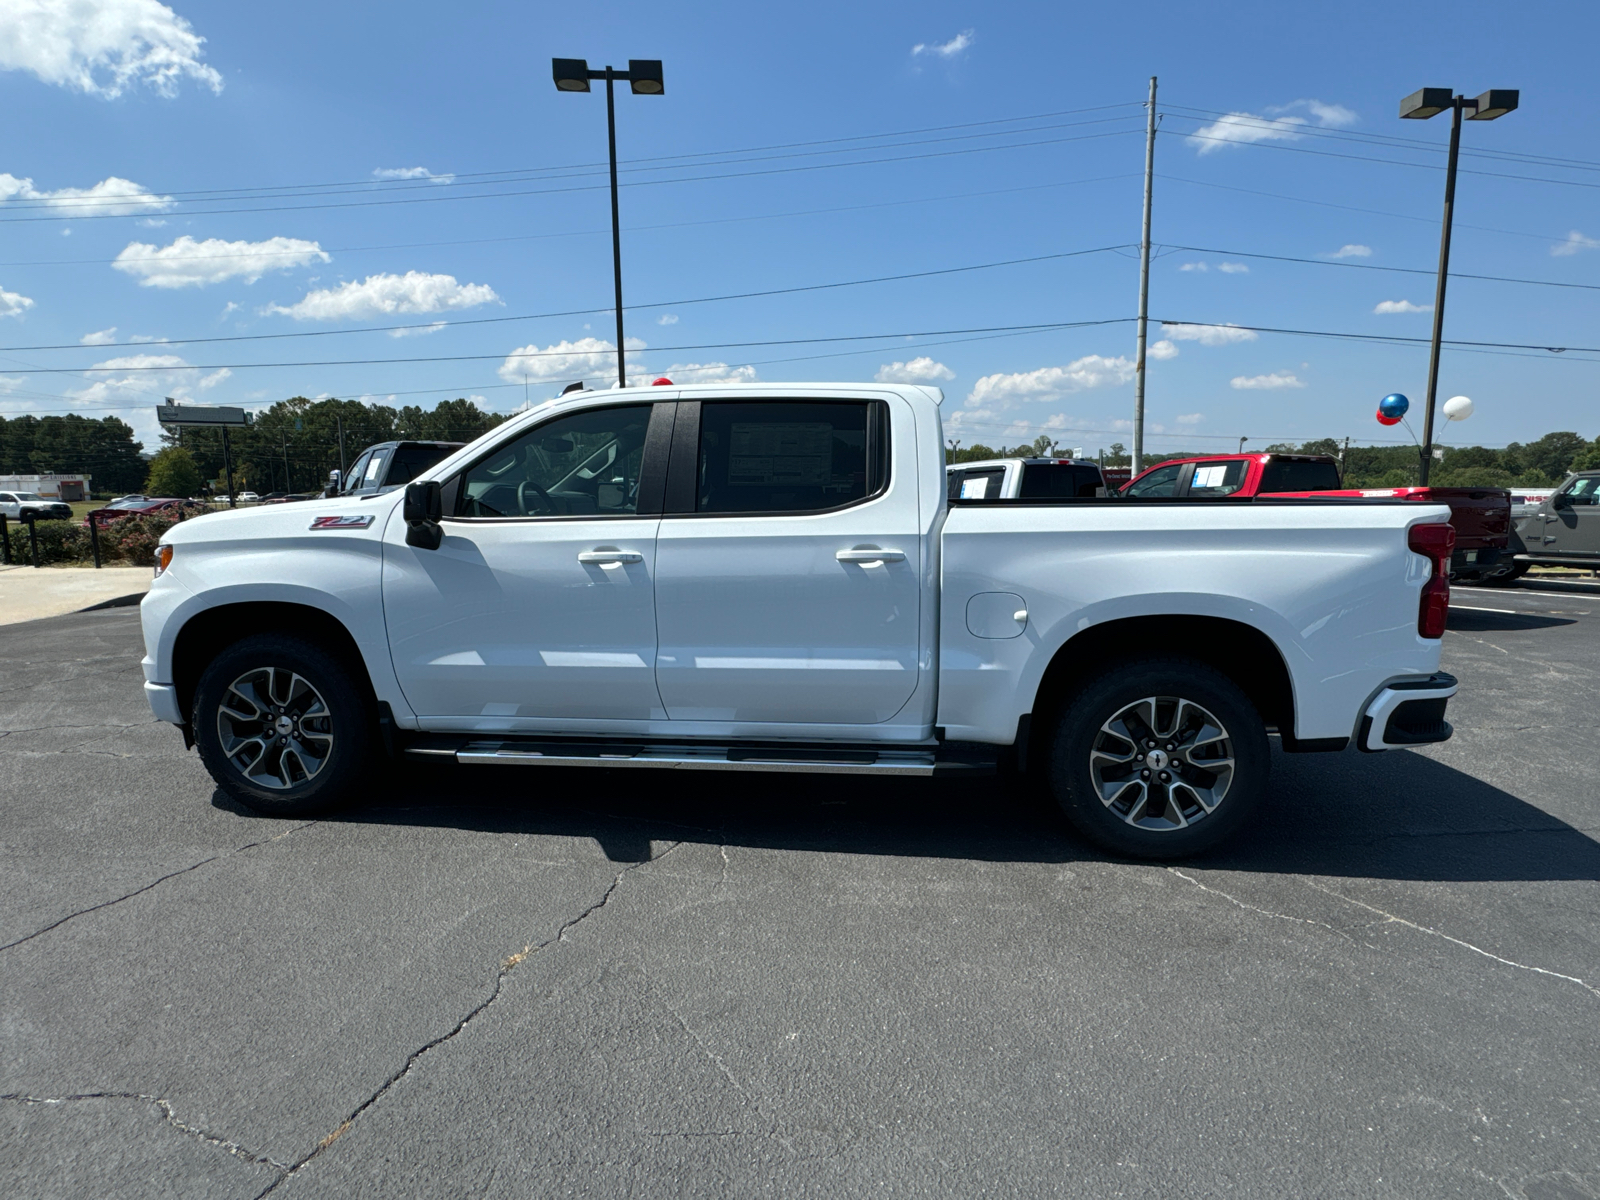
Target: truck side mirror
point(423, 509)
point(1563, 500)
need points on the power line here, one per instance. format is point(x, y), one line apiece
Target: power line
point(1375, 212)
point(360, 362)
point(444, 199)
point(576, 312)
point(530, 237)
point(1393, 339)
point(1429, 271)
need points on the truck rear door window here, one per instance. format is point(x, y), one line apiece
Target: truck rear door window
point(1058, 481)
point(1219, 478)
point(1163, 481)
point(982, 485)
point(790, 456)
point(411, 461)
point(1286, 475)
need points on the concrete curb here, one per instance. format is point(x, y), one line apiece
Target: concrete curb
point(115, 602)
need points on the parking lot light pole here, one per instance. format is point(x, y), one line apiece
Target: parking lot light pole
point(644, 77)
point(1419, 106)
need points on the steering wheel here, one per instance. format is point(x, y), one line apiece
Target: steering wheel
point(522, 497)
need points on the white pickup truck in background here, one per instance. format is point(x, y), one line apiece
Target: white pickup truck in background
point(770, 577)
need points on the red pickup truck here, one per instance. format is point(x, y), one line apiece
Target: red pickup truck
point(1481, 516)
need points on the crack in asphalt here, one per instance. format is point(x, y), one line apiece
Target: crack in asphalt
point(1390, 918)
point(507, 966)
point(157, 883)
point(1265, 912)
point(167, 1113)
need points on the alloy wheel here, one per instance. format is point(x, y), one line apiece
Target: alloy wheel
point(275, 728)
point(1162, 763)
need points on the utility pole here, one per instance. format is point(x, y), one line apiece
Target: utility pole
point(286, 484)
point(227, 465)
point(340, 421)
point(1144, 282)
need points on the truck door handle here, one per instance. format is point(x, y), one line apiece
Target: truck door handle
point(870, 556)
point(609, 558)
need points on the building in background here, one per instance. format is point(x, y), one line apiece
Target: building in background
point(51, 487)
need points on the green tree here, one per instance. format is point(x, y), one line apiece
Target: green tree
point(173, 473)
point(1587, 459)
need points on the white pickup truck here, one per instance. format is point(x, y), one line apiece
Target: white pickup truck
point(770, 577)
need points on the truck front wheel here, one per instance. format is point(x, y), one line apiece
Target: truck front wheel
point(282, 726)
point(1159, 759)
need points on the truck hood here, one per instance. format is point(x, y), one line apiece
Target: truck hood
point(286, 520)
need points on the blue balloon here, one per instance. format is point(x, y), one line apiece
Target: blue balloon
point(1394, 405)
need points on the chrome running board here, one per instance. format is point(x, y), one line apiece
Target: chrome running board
point(707, 758)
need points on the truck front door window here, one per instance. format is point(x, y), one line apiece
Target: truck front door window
point(1163, 481)
point(585, 464)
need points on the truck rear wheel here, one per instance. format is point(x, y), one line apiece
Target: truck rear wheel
point(1159, 759)
point(282, 726)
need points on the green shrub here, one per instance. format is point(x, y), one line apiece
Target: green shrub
point(133, 539)
point(59, 542)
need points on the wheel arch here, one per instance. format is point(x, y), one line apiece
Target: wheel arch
point(212, 630)
point(1237, 650)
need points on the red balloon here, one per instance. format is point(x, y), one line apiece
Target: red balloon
point(1383, 420)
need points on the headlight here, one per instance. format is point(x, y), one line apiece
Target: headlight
point(163, 559)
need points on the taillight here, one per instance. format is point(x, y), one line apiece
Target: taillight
point(1434, 543)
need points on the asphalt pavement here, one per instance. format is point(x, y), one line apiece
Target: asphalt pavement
point(507, 982)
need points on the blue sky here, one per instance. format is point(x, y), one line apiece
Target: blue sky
point(226, 171)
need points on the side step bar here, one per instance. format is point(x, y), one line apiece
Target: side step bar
point(908, 763)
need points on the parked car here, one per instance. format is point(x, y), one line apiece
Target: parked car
point(771, 578)
point(1025, 479)
point(32, 506)
point(248, 498)
point(1481, 517)
point(387, 466)
point(1562, 530)
point(142, 506)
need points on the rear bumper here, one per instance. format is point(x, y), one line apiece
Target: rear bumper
point(1408, 713)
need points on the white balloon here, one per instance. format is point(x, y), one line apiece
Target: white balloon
point(1457, 408)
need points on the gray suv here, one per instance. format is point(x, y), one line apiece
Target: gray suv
point(1564, 531)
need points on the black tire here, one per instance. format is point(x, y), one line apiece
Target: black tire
point(1125, 819)
point(323, 712)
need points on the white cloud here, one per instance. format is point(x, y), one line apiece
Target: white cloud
point(10, 383)
point(1209, 335)
point(1574, 243)
point(1352, 250)
point(949, 49)
point(667, 319)
point(418, 330)
point(1000, 392)
point(1194, 266)
point(146, 337)
point(135, 382)
point(1401, 306)
point(583, 359)
point(104, 337)
point(1242, 128)
point(1161, 350)
point(706, 373)
point(188, 263)
point(111, 197)
point(387, 296)
point(1266, 383)
point(102, 46)
point(1191, 418)
point(1229, 268)
point(13, 304)
point(410, 173)
point(918, 370)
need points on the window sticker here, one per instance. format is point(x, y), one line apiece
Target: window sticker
point(374, 467)
point(1210, 477)
point(975, 489)
point(764, 453)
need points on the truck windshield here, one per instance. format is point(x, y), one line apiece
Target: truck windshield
point(1287, 475)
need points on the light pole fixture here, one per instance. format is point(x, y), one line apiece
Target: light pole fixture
point(1242, 441)
point(1419, 106)
point(644, 76)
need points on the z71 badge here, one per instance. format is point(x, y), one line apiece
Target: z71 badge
point(360, 522)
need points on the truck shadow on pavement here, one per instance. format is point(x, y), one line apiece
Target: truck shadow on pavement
point(1399, 816)
point(1478, 620)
